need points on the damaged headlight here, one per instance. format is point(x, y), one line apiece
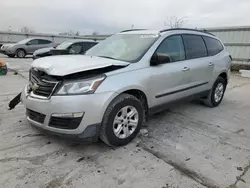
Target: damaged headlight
point(80, 87)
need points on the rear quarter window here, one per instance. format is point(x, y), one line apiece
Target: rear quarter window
point(194, 46)
point(214, 46)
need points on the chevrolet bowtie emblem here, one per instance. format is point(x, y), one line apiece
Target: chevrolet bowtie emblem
point(35, 86)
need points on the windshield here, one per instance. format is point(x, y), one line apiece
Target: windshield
point(64, 45)
point(124, 47)
point(24, 41)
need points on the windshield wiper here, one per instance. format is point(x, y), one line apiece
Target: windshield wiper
point(106, 57)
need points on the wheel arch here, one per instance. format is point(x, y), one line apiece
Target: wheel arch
point(21, 49)
point(224, 76)
point(139, 94)
point(134, 91)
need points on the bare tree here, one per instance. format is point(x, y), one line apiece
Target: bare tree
point(26, 29)
point(77, 33)
point(70, 33)
point(175, 22)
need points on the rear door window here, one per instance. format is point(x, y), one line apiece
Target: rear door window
point(214, 46)
point(194, 46)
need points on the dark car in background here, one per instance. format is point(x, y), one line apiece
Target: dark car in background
point(67, 47)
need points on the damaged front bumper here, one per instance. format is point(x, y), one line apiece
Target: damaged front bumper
point(76, 116)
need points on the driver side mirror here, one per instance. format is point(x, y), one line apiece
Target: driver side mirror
point(28, 43)
point(159, 58)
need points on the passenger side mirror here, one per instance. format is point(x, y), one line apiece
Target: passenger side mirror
point(159, 58)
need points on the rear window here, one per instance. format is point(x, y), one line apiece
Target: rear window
point(194, 46)
point(214, 46)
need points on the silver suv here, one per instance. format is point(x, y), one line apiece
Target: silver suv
point(25, 47)
point(109, 92)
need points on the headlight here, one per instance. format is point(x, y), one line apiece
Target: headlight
point(80, 87)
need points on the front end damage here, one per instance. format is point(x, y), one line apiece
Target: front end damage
point(33, 86)
point(75, 116)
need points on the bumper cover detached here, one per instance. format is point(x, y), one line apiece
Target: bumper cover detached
point(90, 134)
point(75, 117)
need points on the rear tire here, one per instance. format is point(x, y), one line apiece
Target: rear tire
point(122, 120)
point(216, 94)
point(20, 53)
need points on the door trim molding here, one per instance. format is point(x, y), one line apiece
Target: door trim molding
point(168, 105)
point(180, 90)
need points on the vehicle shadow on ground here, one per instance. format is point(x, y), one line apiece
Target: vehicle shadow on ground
point(71, 143)
point(15, 58)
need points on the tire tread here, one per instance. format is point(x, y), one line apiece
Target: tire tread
point(208, 101)
point(117, 100)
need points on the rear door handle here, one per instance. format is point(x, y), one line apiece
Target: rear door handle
point(186, 69)
point(210, 64)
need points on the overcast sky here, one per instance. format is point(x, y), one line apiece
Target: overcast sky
point(109, 16)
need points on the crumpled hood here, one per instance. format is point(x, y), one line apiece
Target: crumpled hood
point(68, 64)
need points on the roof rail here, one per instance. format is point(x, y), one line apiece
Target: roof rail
point(132, 30)
point(188, 29)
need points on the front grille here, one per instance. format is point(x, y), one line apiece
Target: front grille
point(65, 123)
point(35, 116)
point(39, 85)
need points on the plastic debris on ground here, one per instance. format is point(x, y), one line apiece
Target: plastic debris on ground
point(3, 68)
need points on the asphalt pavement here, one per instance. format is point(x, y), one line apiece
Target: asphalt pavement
point(188, 146)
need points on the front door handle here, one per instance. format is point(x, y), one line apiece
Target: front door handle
point(210, 64)
point(186, 69)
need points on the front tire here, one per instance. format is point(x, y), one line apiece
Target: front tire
point(122, 120)
point(20, 53)
point(216, 94)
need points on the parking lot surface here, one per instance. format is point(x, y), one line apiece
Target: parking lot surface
point(188, 146)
